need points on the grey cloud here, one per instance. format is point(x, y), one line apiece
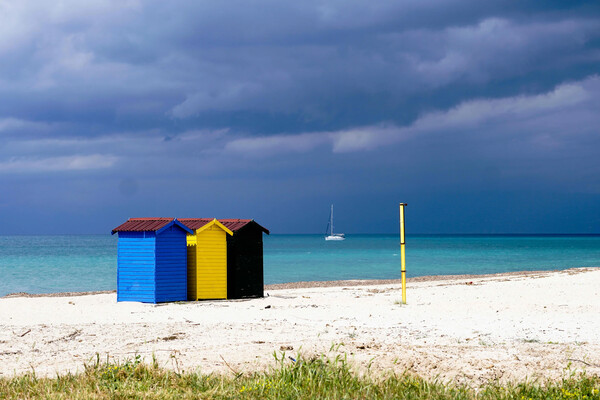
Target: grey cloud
point(536, 113)
point(316, 62)
point(57, 164)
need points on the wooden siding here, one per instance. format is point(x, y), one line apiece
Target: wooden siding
point(245, 263)
point(211, 264)
point(191, 270)
point(171, 265)
point(135, 267)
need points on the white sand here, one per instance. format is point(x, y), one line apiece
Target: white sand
point(507, 328)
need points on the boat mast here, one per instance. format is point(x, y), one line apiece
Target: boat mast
point(331, 222)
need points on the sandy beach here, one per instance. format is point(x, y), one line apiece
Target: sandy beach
point(468, 328)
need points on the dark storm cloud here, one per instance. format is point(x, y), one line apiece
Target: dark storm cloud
point(496, 96)
point(316, 63)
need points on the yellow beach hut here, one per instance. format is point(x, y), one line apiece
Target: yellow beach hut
point(207, 261)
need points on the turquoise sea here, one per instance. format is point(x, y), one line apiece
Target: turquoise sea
point(44, 264)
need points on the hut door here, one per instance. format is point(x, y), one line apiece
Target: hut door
point(211, 256)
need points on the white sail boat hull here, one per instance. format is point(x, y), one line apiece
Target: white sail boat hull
point(335, 237)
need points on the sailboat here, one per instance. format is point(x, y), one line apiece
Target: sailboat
point(331, 235)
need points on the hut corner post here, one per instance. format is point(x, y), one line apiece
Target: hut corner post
point(403, 252)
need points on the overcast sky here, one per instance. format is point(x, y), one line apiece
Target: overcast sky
point(484, 116)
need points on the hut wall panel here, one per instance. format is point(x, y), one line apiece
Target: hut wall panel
point(135, 267)
point(211, 264)
point(191, 270)
point(171, 265)
point(245, 263)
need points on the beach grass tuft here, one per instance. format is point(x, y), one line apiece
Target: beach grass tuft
point(289, 378)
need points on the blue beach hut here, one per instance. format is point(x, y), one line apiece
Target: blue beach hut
point(152, 260)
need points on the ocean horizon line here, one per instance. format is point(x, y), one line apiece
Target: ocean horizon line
point(350, 234)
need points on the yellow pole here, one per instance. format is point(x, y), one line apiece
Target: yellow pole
point(403, 252)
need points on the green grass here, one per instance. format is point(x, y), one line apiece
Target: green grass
point(317, 378)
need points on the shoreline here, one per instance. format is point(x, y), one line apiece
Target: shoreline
point(343, 283)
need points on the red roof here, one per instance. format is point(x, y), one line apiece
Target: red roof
point(195, 223)
point(142, 224)
point(154, 224)
point(230, 223)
